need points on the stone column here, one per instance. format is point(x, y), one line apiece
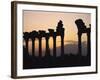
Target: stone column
point(54, 45)
point(47, 52)
point(62, 41)
point(33, 47)
point(88, 44)
point(47, 45)
point(40, 46)
point(26, 41)
point(79, 44)
point(62, 45)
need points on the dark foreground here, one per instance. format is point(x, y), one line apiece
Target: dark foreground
point(32, 62)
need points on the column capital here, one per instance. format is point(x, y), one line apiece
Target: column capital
point(33, 38)
point(54, 35)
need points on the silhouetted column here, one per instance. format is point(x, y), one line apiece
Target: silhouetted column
point(26, 41)
point(40, 46)
point(62, 41)
point(54, 45)
point(79, 44)
point(88, 48)
point(62, 46)
point(33, 46)
point(26, 38)
point(88, 44)
point(47, 45)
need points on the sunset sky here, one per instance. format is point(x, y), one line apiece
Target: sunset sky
point(41, 20)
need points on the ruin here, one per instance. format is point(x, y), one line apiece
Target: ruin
point(64, 60)
point(59, 32)
point(82, 29)
point(41, 33)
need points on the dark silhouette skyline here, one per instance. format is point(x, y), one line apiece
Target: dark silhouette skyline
point(54, 61)
point(41, 33)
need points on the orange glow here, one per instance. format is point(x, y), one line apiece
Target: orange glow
point(40, 20)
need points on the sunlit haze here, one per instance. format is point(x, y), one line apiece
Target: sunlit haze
point(41, 20)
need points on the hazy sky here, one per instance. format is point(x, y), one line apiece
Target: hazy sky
point(40, 20)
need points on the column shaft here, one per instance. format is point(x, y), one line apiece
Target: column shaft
point(79, 44)
point(33, 47)
point(88, 44)
point(40, 47)
point(54, 46)
point(26, 45)
point(62, 46)
point(47, 45)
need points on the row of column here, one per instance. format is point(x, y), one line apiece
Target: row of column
point(47, 50)
point(62, 44)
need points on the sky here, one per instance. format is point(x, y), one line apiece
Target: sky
point(42, 20)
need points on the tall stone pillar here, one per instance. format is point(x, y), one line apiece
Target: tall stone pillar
point(26, 38)
point(33, 47)
point(88, 48)
point(62, 41)
point(79, 44)
point(40, 46)
point(54, 45)
point(88, 44)
point(62, 45)
point(26, 41)
point(47, 45)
